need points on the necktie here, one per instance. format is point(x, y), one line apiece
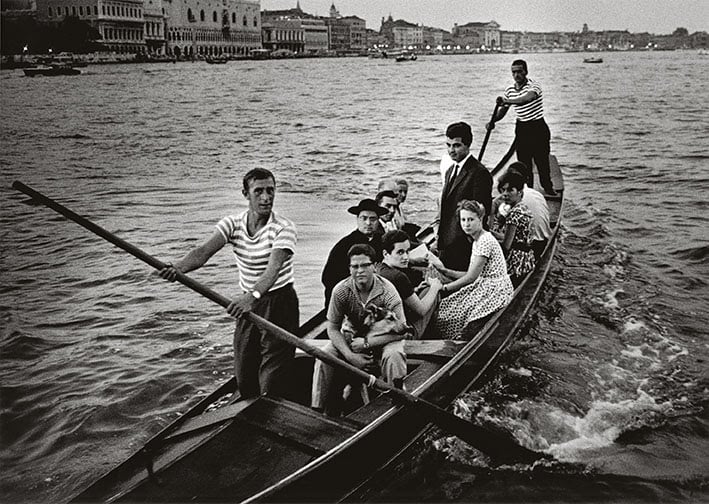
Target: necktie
point(453, 173)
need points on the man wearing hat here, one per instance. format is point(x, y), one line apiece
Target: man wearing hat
point(336, 267)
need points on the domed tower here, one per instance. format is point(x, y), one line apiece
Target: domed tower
point(334, 13)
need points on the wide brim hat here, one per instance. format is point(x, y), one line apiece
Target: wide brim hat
point(367, 204)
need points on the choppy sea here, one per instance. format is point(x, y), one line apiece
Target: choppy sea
point(97, 354)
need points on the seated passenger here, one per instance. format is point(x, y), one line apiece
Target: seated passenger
point(354, 299)
point(391, 184)
point(516, 230)
point(388, 201)
point(368, 213)
point(481, 290)
point(537, 204)
point(395, 268)
point(402, 192)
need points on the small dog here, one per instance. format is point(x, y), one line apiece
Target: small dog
point(378, 321)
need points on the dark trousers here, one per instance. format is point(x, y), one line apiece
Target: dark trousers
point(532, 140)
point(456, 256)
point(262, 362)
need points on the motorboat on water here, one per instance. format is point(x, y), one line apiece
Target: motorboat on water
point(51, 70)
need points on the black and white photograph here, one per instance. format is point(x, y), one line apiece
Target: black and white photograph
point(391, 251)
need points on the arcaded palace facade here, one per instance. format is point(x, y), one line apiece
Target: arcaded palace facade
point(173, 27)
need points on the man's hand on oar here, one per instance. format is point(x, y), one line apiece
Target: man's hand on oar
point(241, 305)
point(169, 273)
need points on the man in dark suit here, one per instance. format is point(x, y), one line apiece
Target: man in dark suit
point(467, 179)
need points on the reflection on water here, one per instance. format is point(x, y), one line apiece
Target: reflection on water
point(97, 354)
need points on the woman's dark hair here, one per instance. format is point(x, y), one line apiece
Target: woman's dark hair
point(512, 177)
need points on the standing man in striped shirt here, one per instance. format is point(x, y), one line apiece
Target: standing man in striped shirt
point(532, 133)
point(263, 243)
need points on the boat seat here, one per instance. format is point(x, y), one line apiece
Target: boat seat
point(297, 424)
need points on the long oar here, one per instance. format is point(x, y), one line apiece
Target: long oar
point(500, 446)
point(498, 103)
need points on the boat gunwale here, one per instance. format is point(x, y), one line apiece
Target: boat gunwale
point(448, 367)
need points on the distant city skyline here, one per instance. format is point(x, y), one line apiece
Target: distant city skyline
point(653, 16)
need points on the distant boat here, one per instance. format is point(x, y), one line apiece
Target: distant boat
point(51, 70)
point(405, 56)
point(260, 54)
point(703, 52)
point(219, 60)
point(593, 60)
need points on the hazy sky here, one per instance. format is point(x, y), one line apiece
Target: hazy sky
point(654, 16)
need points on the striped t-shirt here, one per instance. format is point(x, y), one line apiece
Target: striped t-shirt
point(529, 111)
point(252, 252)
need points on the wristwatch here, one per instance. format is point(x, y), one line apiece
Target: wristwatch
point(256, 294)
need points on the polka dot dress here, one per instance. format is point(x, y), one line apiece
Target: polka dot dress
point(491, 291)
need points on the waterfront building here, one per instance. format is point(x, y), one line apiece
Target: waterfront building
point(119, 22)
point(401, 33)
point(155, 26)
point(348, 34)
point(212, 27)
point(294, 30)
point(433, 38)
point(477, 35)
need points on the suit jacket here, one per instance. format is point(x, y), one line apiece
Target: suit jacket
point(473, 182)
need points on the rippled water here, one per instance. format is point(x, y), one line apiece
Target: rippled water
point(97, 354)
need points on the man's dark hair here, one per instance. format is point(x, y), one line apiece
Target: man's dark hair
point(362, 249)
point(391, 238)
point(257, 174)
point(382, 194)
point(512, 177)
point(462, 130)
point(522, 63)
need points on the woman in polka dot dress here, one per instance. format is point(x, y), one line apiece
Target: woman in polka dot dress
point(515, 235)
point(481, 290)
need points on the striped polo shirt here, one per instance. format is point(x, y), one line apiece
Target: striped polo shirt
point(529, 111)
point(252, 252)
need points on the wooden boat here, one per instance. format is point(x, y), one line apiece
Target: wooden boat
point(51, 70)
point(219, 60)
point(593, 60)
point(279, 450)
point(406, 56)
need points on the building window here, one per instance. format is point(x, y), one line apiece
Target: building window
point(73, 10)
point(201, 15)
point(49, 12)
point(190, 17)
point(81, 10)
point(255, 21)
point(95, 10)
point(244, 21)
point(233, 18)
point(214, 16)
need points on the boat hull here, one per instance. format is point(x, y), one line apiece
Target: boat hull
point(278, 450)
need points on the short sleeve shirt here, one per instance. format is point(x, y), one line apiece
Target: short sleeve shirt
point(346, 302)
point(399, 279)
point(253, 252)
point(529, 111)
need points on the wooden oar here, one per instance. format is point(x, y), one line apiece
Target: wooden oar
point(498, 103)
point(499, 446)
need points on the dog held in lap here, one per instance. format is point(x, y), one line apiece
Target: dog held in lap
point(378, 322)
point(387, 360)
